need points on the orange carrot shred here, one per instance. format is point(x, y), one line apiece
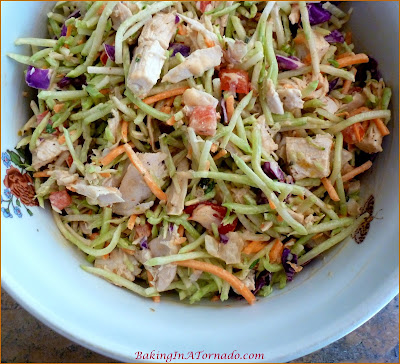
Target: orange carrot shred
point(124, 131)
point(272, 205)
point(214, 298)
point(131, 222)
point(181, 30)
point(330, 189)
point(220, 154)
point(343, 55)
point(356, 171)
point(276, 251)
point(254, 247)
point(235, 282)
point(350, 60)
point(105, 174)
point(150, 278)
point(61, 138)
point(99, 12)
point(41, 174)
point(181, 230)
point(105, 91)
point(383, 129)
point(171, 121)
point(209, 43)
point(230, 107)
point(165, 95)
point(58, 107)
point(279, 218)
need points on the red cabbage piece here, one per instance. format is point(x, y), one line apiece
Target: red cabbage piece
point(64, 30)
point(371, 66)
point(75, 14)
point(223, 238)
point(264, 279)
point(334, 37)
point(272, 170)
point(179, 48)
point(288, 63)
point(177, 19)
point(287, 256)
point(38, 78)
point(317, 14)
point(143, 243)
point(77, 82)
point(333, 84)
point(110, 50)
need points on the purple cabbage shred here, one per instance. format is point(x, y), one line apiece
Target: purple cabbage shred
point(317, 14)
point(224, 112)
point(287, 256)
point(38, 78)
point(223, 238)
point(77, 82)
point(335, 37)
point(177, 19)
point(288, 63)
point(179, 48)
point(264, 279)
point(110, 50)
point(272, 170)
point(333, 84)
point(143, 243)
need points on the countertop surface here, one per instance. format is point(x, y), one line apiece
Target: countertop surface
point(25, 339)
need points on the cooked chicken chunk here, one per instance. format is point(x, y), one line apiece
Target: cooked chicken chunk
point(120, 263)
point(309, 158)
point(372, 141)
point(134, 189)
point(162, 28)
point(64, 178)
point(46, 152)
point(193, 97)
point(291, 98)
point(97, 195)
point(120, 13)
point(145, 69)
point(268, 144)
point(321, 46)
point(273, 101)
point(176, 198)
point(196, 64)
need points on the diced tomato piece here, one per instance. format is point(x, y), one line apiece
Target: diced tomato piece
point(354, 133)
point(69, 160)
point(41, 116)
point(60, 199)
point(225, 229)
point(204, 120)
point(202, 5)
point(234, 80)
point(104, 57)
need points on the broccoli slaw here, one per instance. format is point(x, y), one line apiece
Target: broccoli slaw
point(211, 148)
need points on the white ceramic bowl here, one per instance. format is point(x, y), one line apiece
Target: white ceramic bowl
point(330, 298)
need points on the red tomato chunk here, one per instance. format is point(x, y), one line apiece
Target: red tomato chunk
point(60, 199)
point(234, 80)
point(204, 120)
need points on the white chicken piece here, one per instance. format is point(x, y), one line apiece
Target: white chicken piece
point(321, 46)
point(193, 97)
point(237, 49)
point(205, 215)
point(162, 247)
point(162, 28)
point(359, 100)
point(98, 195)
point(120, 263)
point(176, 198)
point(46, 151)
point(268, 144)
point(64, 178)
point(294, 16)
point(330, 104)
point(120, 13)
point(195, 25)
point(309, 158)
point(196, 64)
point(228, 252)
point(145, 69)
point(372, 141)
point(291, 98)
point(134, 189)
point(150, 55)
point(273, 101)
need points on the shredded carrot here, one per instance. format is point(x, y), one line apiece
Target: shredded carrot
point(330, 189)
point(181, 231)
point(58, 107)
point(128, 251)
point(170, 101)
point(381, 127)
point(347, 83)
point(300, 38)
point(350, 60)
point(189, 153)
point(220, 154)
point(358, 111)
point(235, 282)
point(165, 95)
point(145, 173)
point(279, 218)
point(124, 131)
point(61, 138)
point(344, 113)
point(230, 106)
point(344, 55)
point(166, 109)
point(41, 174)
point(214, 298)
point(318, 236)
point(112, 155)
point(171, 121)
point(69, 30)
point(150, 277)
point(272, 205)
point(348, 37)
point(105, 174)
point(356, 171)
point(93, 236)
point(208, 42)
point(181, 30)
point(254, 247)
point(307, 59)
point(101, 9)
point(81, 42)
point(105, 91)
point(131, 222)
point(276, 251)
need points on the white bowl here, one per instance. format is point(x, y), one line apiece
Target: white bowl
point(330, 298)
